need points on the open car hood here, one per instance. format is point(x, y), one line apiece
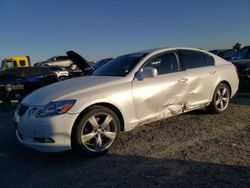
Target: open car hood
point(79, 61)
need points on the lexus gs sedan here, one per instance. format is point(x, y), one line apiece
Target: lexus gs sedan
point(87, 114)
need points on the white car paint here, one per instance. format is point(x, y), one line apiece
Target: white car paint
point(139, 101)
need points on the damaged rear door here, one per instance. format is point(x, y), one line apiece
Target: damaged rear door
point(202, 75)
point(163, 95)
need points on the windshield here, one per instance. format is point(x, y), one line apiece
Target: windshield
point(100, 63)
point(119, 66)
point(7, 64)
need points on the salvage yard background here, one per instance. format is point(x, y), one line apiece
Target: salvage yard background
point(191, 149)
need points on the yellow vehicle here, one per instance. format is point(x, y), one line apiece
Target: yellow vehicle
point(16, 61)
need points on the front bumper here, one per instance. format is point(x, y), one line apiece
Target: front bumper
point(33, 132)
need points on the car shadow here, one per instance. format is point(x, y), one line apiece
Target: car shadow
point(202, 111)
point(242, 97)
point(67, 169)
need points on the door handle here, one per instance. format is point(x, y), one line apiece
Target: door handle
point(182, 80)
point(212, 72)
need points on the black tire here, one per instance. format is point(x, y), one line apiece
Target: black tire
point(84, 130)
point(61, 78)
point(219, 103)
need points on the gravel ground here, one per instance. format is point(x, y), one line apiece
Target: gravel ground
point(193, 149)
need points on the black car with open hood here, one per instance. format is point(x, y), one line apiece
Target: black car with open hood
point(16, 83)
point(83, 64)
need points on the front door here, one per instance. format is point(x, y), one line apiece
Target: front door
point(164, 94)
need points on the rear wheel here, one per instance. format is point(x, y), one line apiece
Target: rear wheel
point(220, 100)
point(96, 131)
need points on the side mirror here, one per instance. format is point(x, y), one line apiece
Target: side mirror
point(147, 72)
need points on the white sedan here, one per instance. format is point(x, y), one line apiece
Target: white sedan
point(88, 113)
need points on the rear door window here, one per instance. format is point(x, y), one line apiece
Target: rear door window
point(192, 59)
point(208, 59)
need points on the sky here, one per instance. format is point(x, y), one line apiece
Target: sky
point(99, 29)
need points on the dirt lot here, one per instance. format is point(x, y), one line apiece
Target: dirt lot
point(194, 149)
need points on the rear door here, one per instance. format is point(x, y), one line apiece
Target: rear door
point(164, 94)
point(201, 74)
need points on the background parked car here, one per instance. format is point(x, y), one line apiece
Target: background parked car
point(14, 62)
point(224, 53)
point(61, 72)
point(63, 61)
point(16, 83)
point(241, 60)
point(81, 63)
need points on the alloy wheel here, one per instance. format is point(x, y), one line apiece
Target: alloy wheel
point(98, 132)
point(222, 98)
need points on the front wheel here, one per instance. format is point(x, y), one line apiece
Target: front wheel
point(96, 131)
point(220, 100)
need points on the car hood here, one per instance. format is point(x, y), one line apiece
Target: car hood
point(80, 62)
point(69, 89)
point(11, 79)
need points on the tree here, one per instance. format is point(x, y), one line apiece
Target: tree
point(237, 46)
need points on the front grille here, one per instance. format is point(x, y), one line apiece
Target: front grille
point(22, 109)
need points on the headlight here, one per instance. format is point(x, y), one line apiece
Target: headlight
point(56, 108)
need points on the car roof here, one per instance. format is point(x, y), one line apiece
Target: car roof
point(156, 50)
point(148, 51)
